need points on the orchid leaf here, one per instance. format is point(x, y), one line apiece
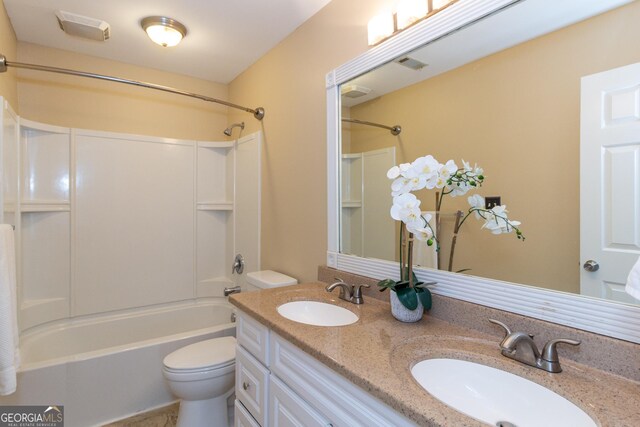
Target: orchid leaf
point(402, 284)
point(405, 273)
point(386, 284)
point(424, 295)
point(407, 296)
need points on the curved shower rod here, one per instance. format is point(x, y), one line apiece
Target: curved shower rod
point(395, 130)
point(258, 113)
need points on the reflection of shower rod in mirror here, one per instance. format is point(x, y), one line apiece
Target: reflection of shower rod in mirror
point(258, 113)
point(395, 130)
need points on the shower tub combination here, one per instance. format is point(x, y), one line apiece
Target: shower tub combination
point(108, 368)
point(118, 266)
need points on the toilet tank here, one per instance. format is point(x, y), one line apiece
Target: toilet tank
point(267, 279)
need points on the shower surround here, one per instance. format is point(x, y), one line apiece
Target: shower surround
point(112, 229)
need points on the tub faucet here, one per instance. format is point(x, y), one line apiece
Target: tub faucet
point(520, 346)
point(232, 290)
point(351, 293)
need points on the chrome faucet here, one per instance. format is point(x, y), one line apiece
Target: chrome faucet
point(232, 290)
point(520, 346)
point(351, 293)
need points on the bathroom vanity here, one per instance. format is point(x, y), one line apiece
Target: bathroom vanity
point(360, 374)
point(277, 383)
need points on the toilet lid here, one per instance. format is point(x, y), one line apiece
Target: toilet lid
point(216, 352)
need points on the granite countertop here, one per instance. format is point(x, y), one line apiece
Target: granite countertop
point(377, 352)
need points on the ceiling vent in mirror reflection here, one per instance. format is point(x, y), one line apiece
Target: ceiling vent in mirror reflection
point(408, 62)
point(83, 26)
point(354, 91)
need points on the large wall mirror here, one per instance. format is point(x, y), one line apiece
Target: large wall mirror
point(503, 89)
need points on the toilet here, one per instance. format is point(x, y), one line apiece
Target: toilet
point(267, 279)
point(202, 375)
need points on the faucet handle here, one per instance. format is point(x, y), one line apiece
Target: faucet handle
point(357, 290)
point(507, 330)
point(549, 352)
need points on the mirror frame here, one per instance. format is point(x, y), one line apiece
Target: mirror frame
point(601, 316)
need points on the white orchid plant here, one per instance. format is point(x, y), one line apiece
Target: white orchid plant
point(447, 179)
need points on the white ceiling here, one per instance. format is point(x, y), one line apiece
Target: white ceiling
point(224, 36)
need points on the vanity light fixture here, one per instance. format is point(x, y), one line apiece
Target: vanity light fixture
point(410, 11)
point(380, 27)
point(164, 31)
point(407, 13)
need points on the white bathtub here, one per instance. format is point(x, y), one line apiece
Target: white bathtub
point(108, 368)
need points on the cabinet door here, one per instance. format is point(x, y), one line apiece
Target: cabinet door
point(253, 336)
point(287, 409)
point(252, 385)
point(242, 417)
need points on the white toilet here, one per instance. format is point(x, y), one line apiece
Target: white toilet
point(202, 375)
point(267, 279)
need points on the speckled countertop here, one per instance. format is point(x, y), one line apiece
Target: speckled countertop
point(377, 352)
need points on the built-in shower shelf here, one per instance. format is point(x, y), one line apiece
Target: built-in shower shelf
point(205, 144)
point(45, 206)
point(215, 206)
point(351, 204)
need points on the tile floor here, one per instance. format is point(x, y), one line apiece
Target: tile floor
point(161, 417)
point(166, 416)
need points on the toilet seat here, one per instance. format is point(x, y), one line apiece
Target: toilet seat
point(216, 355)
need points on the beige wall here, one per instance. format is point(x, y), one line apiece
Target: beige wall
point(8, 47)
point(93, 104)
point(290, 83)
point(516, 113)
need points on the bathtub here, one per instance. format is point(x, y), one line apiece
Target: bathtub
point(107, 368)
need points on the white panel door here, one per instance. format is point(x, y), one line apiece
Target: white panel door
point(610, 181)
point(247, 204)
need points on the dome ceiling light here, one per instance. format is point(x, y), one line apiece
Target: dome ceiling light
point(164, 31)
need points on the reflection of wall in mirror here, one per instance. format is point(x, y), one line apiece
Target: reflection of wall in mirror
point(516, 113)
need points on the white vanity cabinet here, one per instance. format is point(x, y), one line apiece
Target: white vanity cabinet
point(277, 385)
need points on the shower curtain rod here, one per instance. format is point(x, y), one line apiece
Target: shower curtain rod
point(395, 130)
point(258, 113)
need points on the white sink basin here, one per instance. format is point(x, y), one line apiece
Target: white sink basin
point(493, 396)
point(317, 313)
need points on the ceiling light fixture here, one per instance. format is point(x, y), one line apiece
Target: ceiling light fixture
point(164, 31)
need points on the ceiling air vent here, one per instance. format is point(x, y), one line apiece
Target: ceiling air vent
point(354, 91)
point(414, 64)
point(83, 26)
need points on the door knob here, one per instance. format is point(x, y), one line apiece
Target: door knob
point(591, 266)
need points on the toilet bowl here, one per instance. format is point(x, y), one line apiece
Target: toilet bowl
point(202, 375)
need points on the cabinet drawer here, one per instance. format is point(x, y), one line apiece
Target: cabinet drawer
point(242, 417)
point(253, 336)
point(252, 385)
point(287, 409)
